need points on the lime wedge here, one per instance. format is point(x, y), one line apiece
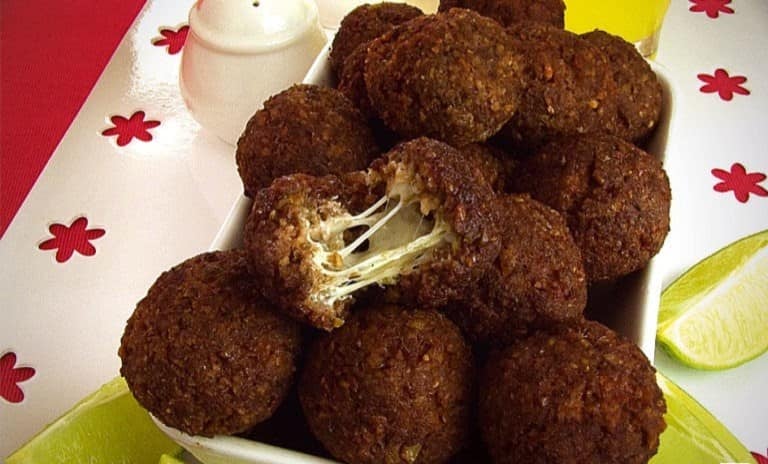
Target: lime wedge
point(108, 426)
point(715, 316)
point(693, 435)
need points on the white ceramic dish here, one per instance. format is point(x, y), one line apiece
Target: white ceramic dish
point(238, 54)
point(629, 307)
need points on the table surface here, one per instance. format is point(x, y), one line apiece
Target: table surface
point(106, 181)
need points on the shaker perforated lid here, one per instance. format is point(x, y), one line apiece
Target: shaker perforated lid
point(251, 25)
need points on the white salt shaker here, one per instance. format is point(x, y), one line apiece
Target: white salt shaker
point(241, 52)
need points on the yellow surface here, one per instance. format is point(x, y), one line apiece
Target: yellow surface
point(168, 459)
point(107, 427)
point(693, 435)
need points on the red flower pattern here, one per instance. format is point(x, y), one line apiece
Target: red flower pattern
point(127, 129)
point(760, 458)
point(174, 39)
point(11, 376)
point(67, 240)
point(712, 8)
point(740, 182)
point(724, 84)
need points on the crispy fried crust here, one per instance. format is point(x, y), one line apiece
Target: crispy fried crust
point(615, 198)
point(392, 386)
point(493, 164)
point(439, 170)
point(352, 80)
point(306, 128)
point(509, 12)
point(451, 76)
point(204, 353)
point(365, 23)
point(275, 237)
point(580, 394)
point(638, 95)
point(536, 282)
point(569, 87)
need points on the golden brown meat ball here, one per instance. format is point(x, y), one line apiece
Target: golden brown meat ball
point(614, 196)
point(509, 12)
point(352, 80)
point(352, 85)
point(580, 394)
point(451, 76)
point(638, 96)
point(493, 164)
point(392, 385)
point(308, 129)
point(417, 220)
point(568, 87)
point(536, 282)
point(365, 23)
point(204, 352)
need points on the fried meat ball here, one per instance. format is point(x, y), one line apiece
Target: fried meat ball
point(568, 87)
point(581, 394)
point(614, 196)
point(352, 80)
point(306, 128)
point(352, 85)
point(204, 353)
point(391, 386)
point(493, 164)
point(638, 91)
point(365, 23)
point(536, 282)
point(416, 219)
point(509, 12)
point(451, 76)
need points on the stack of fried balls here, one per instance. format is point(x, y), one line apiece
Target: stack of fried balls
point(421, 246)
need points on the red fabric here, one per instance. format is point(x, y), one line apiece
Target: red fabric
point(52, 53)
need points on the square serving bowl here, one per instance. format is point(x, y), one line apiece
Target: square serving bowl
point(629, 306)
